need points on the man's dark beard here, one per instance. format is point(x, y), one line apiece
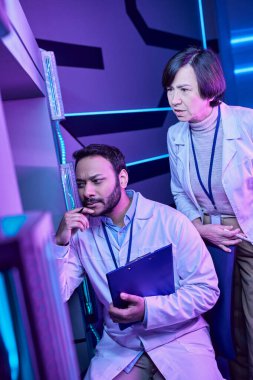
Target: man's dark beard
point(110, 203)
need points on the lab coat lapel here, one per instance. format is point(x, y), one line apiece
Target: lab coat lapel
point(142, 213)
point(231, 134)
point(99, 235)
point(183, 155)
point(182, 143)
point(136, 230)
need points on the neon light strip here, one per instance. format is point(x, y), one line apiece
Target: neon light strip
point(137, 110)
point(7, 331)
point(244, 70)
point(241, 40)
point(52, 95)
point(202, 24)
point(147, 160)
point(61, 142)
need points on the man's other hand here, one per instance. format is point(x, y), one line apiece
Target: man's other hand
point(133, 313)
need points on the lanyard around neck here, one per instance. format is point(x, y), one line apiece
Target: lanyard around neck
point(110, 246)
point(208, 193)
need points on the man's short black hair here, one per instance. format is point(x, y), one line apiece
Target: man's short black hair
point(110, 153)
point(207, 68)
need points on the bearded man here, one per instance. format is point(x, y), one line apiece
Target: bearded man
point(169, 338)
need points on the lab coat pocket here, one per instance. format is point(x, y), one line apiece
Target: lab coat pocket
point(242, 175)
point(197, 342)
point(197, 348)
point(247, 170)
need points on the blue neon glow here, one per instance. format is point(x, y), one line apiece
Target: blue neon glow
point(113, 112)
point(147, 160)
point(7, 331)
point(61, 142)
point(241, 40)
point(202, 24)
point(10, 225)
point(244, 70)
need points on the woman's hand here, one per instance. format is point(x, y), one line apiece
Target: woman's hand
point(220, 235)
point(70, 223)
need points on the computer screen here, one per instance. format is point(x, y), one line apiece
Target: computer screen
point(35, 331)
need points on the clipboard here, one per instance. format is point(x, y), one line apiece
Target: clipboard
point(148, 275)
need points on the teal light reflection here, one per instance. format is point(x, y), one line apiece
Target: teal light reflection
point(6, 330)
point(241, 40)
point(202, 24)
point(113, 112)
point(147, 160)
point(244, 70)
point(10, 225)
point(61, 142)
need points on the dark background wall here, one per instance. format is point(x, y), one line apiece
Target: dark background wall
point(110, 57)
